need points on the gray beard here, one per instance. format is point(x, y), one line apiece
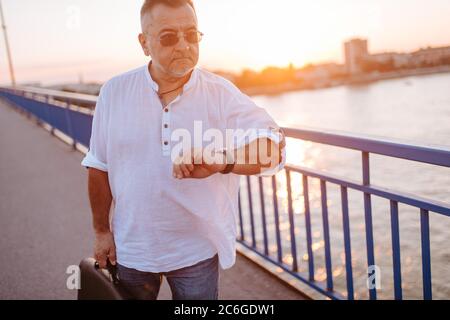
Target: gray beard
point(181, 74)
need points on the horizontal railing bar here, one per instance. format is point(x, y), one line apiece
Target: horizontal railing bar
point(437, 155)
point(402, 197)
point(79, 97)
point(66, 104)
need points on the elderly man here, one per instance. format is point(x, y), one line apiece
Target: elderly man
point(174, 211)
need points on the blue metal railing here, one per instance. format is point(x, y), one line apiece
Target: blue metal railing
point(55, 109)
point(367, 146)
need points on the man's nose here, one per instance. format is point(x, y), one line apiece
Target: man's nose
point(182, 43)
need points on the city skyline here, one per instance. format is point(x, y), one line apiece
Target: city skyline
point(80, 42)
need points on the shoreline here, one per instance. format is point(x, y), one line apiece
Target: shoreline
point(356, 80)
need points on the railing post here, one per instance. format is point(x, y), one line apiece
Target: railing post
point(347, 243)
point(263, 215)
point(426, 254)
point(50, 116)
point(69, 125)
point(39, 121)
point(308, 228)
point(368, 221)
point(27, 111)
point(326, 235)
point(277, 219)
point(252, 219)
point(396, 261)
point(291, 222)
point(241, 222)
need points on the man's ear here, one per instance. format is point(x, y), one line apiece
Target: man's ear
point(143, 42)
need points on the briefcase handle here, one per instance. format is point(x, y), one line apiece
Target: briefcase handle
point(112, 269)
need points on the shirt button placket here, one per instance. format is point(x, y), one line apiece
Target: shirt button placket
point(165, 130)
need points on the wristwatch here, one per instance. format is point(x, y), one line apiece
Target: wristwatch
point(229, 160)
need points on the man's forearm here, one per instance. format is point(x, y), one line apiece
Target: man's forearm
point(100, 198)
point(253, 157)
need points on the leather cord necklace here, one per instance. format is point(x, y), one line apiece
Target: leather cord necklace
point(160, 95)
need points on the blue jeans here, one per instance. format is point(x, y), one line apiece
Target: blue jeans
point(196, 282)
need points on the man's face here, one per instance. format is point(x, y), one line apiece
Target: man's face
point(179, 59)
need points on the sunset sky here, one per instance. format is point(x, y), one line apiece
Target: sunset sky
point(56, 41)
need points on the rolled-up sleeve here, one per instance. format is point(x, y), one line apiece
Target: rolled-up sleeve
point(244, 115)
point(96, 156)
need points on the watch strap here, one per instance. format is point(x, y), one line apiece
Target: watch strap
point(229, 161)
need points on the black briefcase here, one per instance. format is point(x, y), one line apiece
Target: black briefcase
point(100, 284)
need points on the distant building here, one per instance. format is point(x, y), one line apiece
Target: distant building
point(356, 50)
point(398, 60)
point(431, 57)
point(358, 59)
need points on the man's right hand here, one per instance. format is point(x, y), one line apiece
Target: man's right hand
point(104, 248)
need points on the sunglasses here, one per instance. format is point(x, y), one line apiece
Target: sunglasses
point(171, 39)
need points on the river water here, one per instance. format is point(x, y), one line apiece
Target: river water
point(414, 109)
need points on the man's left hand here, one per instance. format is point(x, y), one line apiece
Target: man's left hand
point(194, 165)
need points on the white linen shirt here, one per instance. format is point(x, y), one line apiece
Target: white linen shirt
point(161, 223)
